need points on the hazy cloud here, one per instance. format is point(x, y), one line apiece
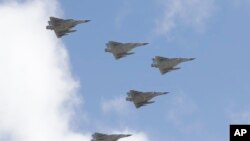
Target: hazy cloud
point(121, 15)
point(181, 114)
point(184, 13)
point(36, 83)
point(240, 3)
point(239, 114)
point(118, 105)
point(38, 92)
point(180, 108)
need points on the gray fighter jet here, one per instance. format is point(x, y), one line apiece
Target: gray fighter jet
point(168, 64)
point(120, 50)
point(142, 98)
point(105, 137)
point(63, 26)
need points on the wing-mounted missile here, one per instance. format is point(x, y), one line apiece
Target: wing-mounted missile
point(129, 53)
point(59, 35)
point(172, 69)
point(150, 102)
point(69, 31)
point(144, 104)
point(124, 54)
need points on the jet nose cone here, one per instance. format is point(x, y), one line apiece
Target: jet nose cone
point(128, 135)
point(165, 92)
point(80, 21)
point(192, 58)
point(145, 44)
point(87, 21)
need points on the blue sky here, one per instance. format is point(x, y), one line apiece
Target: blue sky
point(205, 94)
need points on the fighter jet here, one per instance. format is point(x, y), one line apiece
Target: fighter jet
point(105, 137)
point(168, 64)
point(142, 98)
point(63, 26)
point(120, 50)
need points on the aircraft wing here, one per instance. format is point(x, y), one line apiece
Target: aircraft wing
point(55, 21)
point(139, 104)
point(163, 71)
point(118, 52)
point(58, 33)
point(118, 56)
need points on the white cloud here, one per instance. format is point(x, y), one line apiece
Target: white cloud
point(36, 82)
point(37, 90)
point(190, 13)
point(180, 108)
point(118, 105)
